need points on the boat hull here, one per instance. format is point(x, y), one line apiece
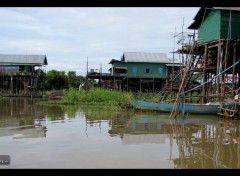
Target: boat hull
point(188, 108)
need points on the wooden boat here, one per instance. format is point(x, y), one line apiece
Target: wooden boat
point(188, 108)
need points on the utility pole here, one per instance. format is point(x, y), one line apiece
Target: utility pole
point(86, 80)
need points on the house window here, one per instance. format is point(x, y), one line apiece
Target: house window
point(134, 69)
point(147, 70)
point(160, 70)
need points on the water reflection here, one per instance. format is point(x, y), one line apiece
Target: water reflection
point(20, 118)
point(97, 115)
point(119, 137)
point(202, 142)
point(207, 145)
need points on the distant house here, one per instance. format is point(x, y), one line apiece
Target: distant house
point(141, 71)
point(13, 64)
point(21, 74)
point(214, 23)
point(142, 65)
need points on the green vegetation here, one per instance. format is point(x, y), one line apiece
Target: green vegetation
point(152, 97)
point(192, 97)
point(94, 96)
point(56, 80)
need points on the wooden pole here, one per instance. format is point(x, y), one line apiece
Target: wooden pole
point(153, 86)
point(86, 88)
point(204, 92)
point(234, 69)
point(11, 84)
point(225, 66)
point(127, 85)
point(218, 69)
point(140, 85)
point(114, 78)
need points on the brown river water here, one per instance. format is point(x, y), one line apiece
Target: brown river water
point(74, 136)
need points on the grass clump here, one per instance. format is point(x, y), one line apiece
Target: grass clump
point(95, 96)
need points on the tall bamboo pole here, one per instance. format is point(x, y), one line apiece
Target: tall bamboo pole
point(204, 74)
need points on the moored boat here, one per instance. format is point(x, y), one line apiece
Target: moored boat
point(208, 108)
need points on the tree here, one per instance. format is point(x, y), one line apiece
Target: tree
point(73, 80)
point(59, 80)
point(56, 80)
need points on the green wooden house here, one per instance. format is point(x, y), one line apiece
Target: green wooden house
point(217, 51)
point(214, 23)
point(142, 71)
point(142, 65)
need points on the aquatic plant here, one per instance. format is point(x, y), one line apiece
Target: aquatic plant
point(95, 96)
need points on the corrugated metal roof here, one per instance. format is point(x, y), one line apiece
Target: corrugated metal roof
point(146, 57)
point(10, 59)
point(203, 11)
point(228, 8)
point(114, 60)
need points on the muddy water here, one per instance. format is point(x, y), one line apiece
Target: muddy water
point(37, 136)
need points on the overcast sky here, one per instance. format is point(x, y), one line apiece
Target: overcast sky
point(68, 36)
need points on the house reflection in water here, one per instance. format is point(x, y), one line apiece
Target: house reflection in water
point(202, 142)
point(146, 130)
point(144, 138)
point(142, 129)
point(20, 118)
point(23, 132)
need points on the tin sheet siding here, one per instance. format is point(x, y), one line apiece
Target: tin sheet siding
point(140, 70)
point(210, 29)
point(216, 25)
point(235, 25)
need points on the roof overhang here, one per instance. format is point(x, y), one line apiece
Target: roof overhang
point(175, 65)
point(121, 68)
point(114, 60)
